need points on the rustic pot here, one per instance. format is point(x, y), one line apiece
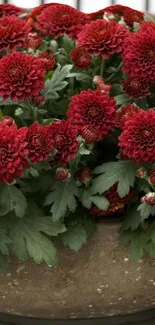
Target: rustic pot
point(99, 281)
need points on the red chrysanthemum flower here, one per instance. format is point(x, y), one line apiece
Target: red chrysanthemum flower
point(116, 206)
point(48, 60)
point(34, 41)
point(139, 54)
point(138, 137)
point(40, 143)
point(13, 33)
point(117, 10)
point(10, 10)
point(131, 16)
point(102, 37)
point(40, 99)
point(65, 142)
point(127, 112)
point(92, 112)
point(59, 20)
point(21, 76)
point(37, 10)
point(147, 24)
point(13, 152)
point(136, 87)
point(81, 58)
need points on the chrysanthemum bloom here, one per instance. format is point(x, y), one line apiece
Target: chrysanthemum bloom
point(65, 142)
point(40, 144)
point(13, 152)
point(139, 54)
point(152, 176)
point(10, 10)
point(34, 41)
point(131, 16)
point(124, 114)
point(21, 76)
point(147, 24)
point(136, 87)
point(48, 60)
point(37, 10)
point(116, 206)
point(13, 33)
point(58, 20)
point(81, 58)
point(102, 37)
point(138, 137)
point(92, 110)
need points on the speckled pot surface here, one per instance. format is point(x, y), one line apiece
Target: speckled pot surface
point(101, 280)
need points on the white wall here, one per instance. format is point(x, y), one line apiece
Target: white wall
point(88, 5)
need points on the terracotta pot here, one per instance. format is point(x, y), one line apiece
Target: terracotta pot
point(101, 280)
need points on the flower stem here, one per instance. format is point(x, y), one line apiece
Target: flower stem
point(113, 74)
point(102, 67)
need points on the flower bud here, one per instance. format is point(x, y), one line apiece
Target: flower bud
point(62, 174)
point(101, 85)
point(7, 120)
point(149, 198)
point(84, 176)
point(152, 177)
point(141, 172)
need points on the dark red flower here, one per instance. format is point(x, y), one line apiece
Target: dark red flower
point(81, 58)
point(102, 37)
point(149, 199)
point(40, 99)
point(21, 76)
point(62, 19)
point(48, 60)
point(62, 174)
point(131, 16)
point(13, 33)
point(7, 120)
point(127, 112)
point(34, 41)
point(40, 144)
point(13, 152)
point(84, 176)
point(65, 142)
point(136, 87)
point(138, 137)
point(139, 54)
point(37, 10)
point(92, 112)
point(116, 206)
point(152, 176)
point(10, 10)
point(117, 10)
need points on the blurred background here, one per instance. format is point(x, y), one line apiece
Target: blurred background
point(89, 5)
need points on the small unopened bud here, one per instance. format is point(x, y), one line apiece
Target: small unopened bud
point(149, 198)
point(18, 111)
point(7, 120)
point(62, 174)
point(84, 176)
point(152, 177)
point(101, 85)
point(141, 172)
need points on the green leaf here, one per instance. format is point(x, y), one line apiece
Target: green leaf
point(3, 263)
point(68, 43)
point(125, 237)
point(4, 243)
point(132, 219)
point(136, 26)
point(149, 18)
point(75, 237)
point(62, 198)
point(89, 224)
point(101, 202)
point(85, 198)
point(11, 198)
point(122, 99)
point(57, 83)
point(80, 76)
point(138, 243)
point(29, 237)
point(150, 248)
point(123, 172)
point(146, 210)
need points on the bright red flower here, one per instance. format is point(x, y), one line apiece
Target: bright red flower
point(65, 142)
point(130, 16)
point(13, 33)
point(59, 19)
point(13, 152)
point(40, 143)
point(34, 41)
point(10, 10)
point(139, 54)
point(136, 87)
point(21, 76)
point(138, 137)
point(127, 112)
point(92, 110)
point(37, 10)
point(81, 58)
point(48, 60)
point(102, 37)
point(116, 206)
